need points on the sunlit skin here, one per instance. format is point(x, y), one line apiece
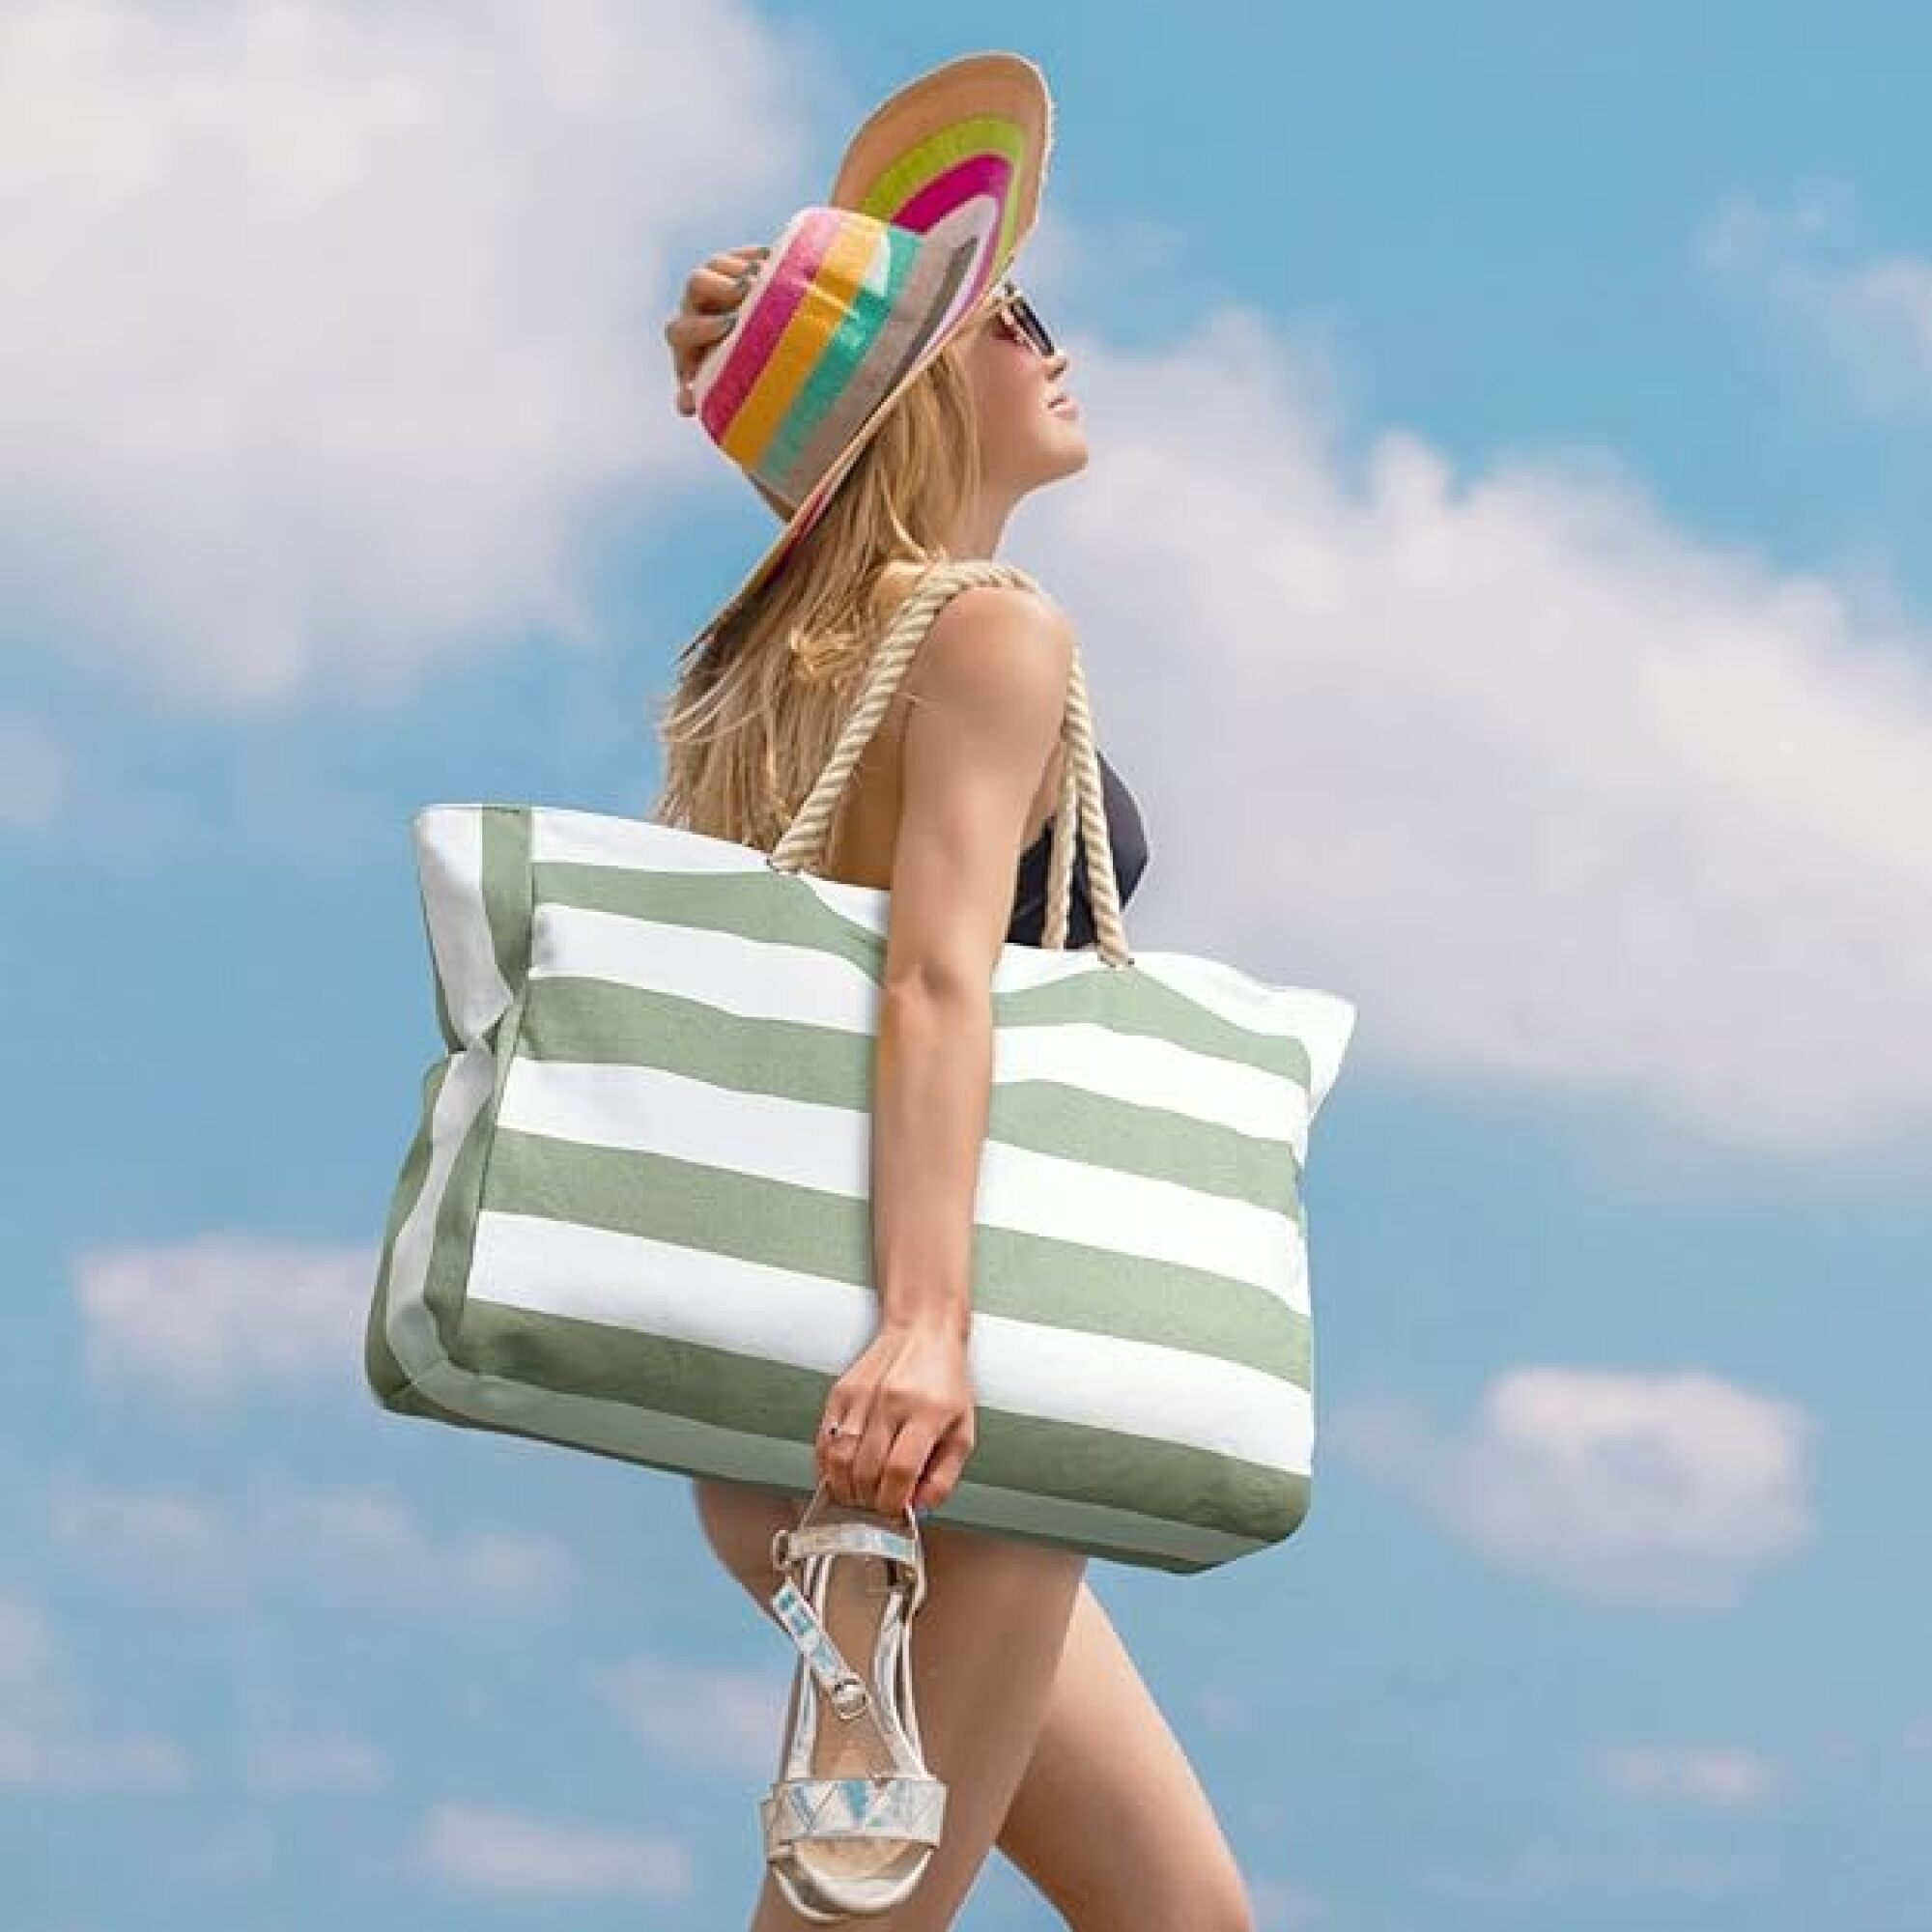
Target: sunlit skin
point(1030, 428)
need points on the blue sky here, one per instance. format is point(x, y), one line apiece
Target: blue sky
point(1500, 577)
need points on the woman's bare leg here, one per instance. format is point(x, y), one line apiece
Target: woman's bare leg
point(987, 1645)
point(1110, 1822)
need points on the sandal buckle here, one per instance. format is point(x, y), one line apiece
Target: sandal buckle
point(849, 1697)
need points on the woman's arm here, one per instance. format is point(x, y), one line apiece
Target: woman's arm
point(988, 688)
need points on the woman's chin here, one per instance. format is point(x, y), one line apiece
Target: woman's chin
point(1056, 458)
point(1068, 456)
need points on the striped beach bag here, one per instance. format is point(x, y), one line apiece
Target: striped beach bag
point(635, 1215)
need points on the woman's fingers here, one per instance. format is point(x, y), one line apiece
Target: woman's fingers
point(712, 293)
point(691, 335)
point(941, 1472)
point(717, 280)
point(905, 1464)
point(837, 1454)
point(721, 282)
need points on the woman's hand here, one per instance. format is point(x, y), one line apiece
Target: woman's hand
point(712, 294)
point(906, 1420)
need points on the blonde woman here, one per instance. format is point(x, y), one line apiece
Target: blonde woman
point(1030, 1708)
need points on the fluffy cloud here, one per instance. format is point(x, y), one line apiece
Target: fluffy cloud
point(172, 1542)
point(32, 1761)
point(1666, 1489)
point(327, 1762)
point(346, 1544)
point(39, 776)
point(496, 1851)
point(703, 1713)
point(1871, 313)
point(221, 1312)
point(328, 326)
point(1716, 1775)
point(26, 1644)
point(1565, 799)
point(48, 1738)
point(1542, 1873)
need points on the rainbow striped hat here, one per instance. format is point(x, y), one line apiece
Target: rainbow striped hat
point(934, 197)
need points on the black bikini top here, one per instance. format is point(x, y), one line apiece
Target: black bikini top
point(1126, 834)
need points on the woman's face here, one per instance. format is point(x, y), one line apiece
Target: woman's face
point(1030, 431)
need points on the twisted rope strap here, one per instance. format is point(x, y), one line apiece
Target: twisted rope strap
point(801, 847)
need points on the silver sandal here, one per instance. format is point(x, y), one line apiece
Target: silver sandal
point(851, 1835)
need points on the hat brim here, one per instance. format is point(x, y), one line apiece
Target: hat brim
point(977, 126)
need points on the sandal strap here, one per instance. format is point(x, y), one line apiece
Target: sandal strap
point(894, 1806)
point(842, 1685)
point(849, 1539)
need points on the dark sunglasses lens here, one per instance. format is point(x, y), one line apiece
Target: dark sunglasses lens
point(1031, 326)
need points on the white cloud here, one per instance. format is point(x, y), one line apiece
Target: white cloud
point(1565, 799)
point(222, 1312)
point(504, 1852)
point(1553, 1871)
point(172, 1544)
point(39, 776)
point(703, 1713)
point(1872, 314)
point(348, 1544)
point(26, 1644)
point(1666, 1489)
point(327, 1762)
point(48, 1740)
point(36, 1762)
point(1722, 1776)
point(328, 326)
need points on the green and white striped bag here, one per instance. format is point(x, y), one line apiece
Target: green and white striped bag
point(636, 1216)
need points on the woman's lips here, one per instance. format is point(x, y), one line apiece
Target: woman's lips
point(1064, 405)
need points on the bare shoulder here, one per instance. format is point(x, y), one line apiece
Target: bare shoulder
point(995, 650)
point(988, 705)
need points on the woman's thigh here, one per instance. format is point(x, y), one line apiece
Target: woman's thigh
point(1110, 1821)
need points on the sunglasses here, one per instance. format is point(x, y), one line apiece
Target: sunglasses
point(1019, 319)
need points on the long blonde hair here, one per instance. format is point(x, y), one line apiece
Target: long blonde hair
point(752, 719)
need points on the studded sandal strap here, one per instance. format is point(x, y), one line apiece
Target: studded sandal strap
point(841, 1684)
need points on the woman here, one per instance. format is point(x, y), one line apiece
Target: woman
point(1030, 1707)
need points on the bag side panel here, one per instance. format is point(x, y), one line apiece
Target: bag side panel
point(470, 918)
point(504, 886)
point(385, 1375)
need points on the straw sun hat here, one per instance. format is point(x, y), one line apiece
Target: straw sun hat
point(937, 192)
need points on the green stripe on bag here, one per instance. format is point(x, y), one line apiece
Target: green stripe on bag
point(1071, 1460)
point(743, 904)
point(593, 1021)
point(1026, 1277)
